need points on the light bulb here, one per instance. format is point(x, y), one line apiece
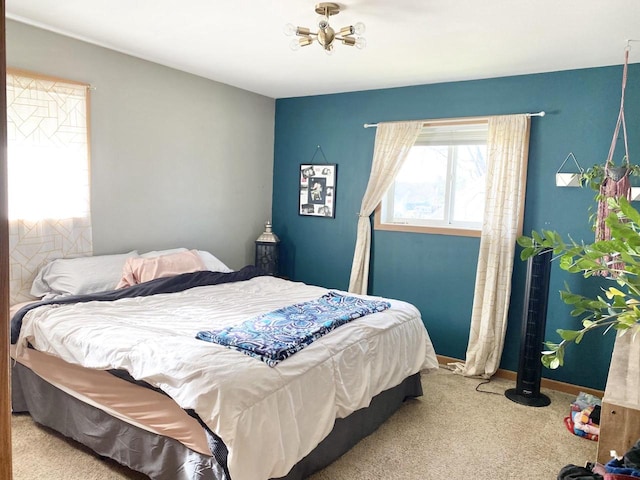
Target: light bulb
point(294, 45)
point(361, 43)
point(289, 29)
point(323, 22)
point(359, 28)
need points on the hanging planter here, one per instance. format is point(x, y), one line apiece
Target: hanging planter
point(617, 173)
point(593, 177)
point(615, 182)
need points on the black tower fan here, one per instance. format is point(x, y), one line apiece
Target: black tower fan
point(534, 318)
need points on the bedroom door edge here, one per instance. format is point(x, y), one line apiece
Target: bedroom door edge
point(6, 465)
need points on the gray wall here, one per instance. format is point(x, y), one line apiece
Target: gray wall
point(176, 160)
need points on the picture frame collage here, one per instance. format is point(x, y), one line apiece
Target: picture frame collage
point(318, 190)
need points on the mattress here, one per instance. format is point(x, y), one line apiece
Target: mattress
point(269, 418)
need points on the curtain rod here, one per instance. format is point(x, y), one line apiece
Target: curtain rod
point(538, 114)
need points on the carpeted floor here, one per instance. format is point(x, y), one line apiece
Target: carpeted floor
point(452, 432)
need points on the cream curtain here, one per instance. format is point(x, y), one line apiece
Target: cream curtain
point(48, 175)
point(507, 151)
point(392, 145)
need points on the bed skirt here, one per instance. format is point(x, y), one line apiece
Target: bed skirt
point(171, 460)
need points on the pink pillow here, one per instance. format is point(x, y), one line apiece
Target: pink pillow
point(139, 270)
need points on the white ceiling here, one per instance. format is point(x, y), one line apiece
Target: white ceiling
point(409, 42)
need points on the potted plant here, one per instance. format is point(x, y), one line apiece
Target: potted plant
point(617, 258)
point(594, 176)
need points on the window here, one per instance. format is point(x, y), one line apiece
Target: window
point(48, 175)
point(48, 161)
point(440, 187)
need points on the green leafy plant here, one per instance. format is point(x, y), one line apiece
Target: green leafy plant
point(618, 259)
point(594, 176)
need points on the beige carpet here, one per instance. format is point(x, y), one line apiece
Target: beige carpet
point(452, 432)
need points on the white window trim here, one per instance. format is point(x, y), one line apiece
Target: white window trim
point(444, 229)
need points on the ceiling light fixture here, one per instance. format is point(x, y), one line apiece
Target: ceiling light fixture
point(349, 35)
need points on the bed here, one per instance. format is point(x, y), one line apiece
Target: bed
point(121, 371)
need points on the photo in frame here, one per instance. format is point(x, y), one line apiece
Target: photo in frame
point(318, 190)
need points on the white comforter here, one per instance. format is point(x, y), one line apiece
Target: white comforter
point(269, 418)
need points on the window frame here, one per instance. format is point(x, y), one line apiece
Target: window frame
point(456, 230)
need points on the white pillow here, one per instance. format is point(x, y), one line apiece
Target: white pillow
point(210, 261)
point(79, 276)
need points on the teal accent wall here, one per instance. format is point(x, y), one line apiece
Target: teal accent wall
point(437, 272)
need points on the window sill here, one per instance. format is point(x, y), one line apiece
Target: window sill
point(457, 232)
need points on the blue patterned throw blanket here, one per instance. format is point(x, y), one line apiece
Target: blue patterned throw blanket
point(275, 336)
